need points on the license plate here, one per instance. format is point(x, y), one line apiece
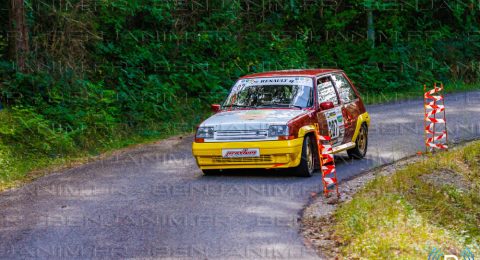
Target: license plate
point(239, 153)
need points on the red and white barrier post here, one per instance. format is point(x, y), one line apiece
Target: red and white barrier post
point(434, 104)
point(327, 163)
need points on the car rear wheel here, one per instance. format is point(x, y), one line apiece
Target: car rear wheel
point(307, 162)
point(361, 144)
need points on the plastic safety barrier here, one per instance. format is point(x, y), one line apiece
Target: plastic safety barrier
point(327, 163)
point(434, 107)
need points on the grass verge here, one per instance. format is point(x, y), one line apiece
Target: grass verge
point(434, 203)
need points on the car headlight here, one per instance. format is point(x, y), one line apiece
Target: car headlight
point(204, 132)
point(277, 130)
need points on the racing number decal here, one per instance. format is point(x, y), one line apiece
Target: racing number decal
point(336, 128)
point(333, 127)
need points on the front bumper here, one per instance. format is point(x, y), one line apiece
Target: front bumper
point(273, 154)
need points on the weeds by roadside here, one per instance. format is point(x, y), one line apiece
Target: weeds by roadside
point(432, 203)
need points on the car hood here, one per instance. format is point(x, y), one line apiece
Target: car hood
point(251, 119)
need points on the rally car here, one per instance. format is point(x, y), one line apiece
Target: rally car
point(269, 121)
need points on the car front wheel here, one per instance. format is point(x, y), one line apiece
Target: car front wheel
point(307, 162)
point(361, 144)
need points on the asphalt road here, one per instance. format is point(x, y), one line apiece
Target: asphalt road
point(153, 202)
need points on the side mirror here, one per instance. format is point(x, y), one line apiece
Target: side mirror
point(326, 105)
point(215, 107)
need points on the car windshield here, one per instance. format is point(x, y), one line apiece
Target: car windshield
point(271, 92)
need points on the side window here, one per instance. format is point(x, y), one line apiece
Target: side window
point(344, 88)
point(326, 91)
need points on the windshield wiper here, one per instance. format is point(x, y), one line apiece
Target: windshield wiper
point(296, 106)
point(235, 105)
point(280, 105)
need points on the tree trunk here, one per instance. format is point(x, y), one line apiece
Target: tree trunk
point(371, 28)
point(18, 35)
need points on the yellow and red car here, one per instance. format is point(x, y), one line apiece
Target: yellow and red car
point(269, 121)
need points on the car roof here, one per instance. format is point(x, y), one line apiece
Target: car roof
point(298, 72)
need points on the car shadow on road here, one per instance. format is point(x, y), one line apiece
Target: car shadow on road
point(273, 173)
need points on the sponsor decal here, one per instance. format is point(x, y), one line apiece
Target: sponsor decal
point(239, 153)
point(255, 114)
point(275, 81)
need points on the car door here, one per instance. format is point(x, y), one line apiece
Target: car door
point(349, 104)
point(330, 120)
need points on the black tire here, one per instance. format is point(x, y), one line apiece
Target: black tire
point(361, 144)
point(211, 172)
point(306, 167)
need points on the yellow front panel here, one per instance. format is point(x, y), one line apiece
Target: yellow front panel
point(273, 154)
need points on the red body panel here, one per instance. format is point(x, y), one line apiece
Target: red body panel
point(295, 124)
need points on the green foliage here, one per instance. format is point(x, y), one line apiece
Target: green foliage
point(147, 48)
point(30, 132)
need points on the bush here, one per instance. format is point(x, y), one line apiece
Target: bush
point(30, 133)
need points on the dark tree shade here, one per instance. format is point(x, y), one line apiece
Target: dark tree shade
point(18, 34)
